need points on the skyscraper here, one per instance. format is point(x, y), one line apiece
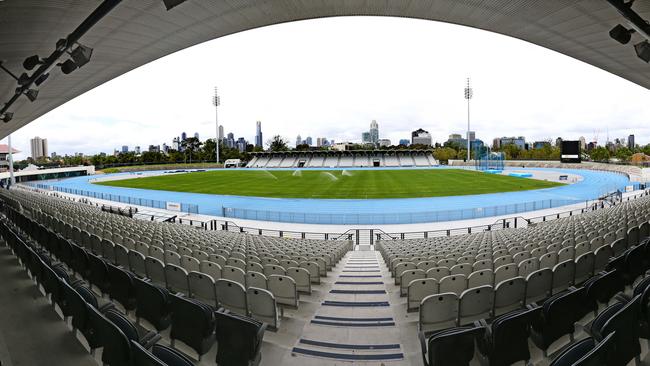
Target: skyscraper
point(39, 147)
point(630, 142)
point(137, 150)
point(365, 138)
point(221, 135)
point(583, 143)
point(308, 140)
point(125, 149)
point(258, 134)
point(230, 141)
point(183, 136)
point(196, 135)
point(298, 140)
point(374, 132)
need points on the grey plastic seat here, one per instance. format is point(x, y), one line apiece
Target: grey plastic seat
point(480, 278)
point(539, 285)
point(584, 267)
point(439, 311)
point(284, 290)
point(528, 266)
point(210, 268)
point(190, 263)
point(301, 277)
point(155, 271)
point(563, 275)
point(407, 276)
point(234, 274)
point(509, 295)
point(262, 306)
point(255, 279)
point(453, 283)
point(231, 295)
point(137, 263)
point(202, 288)
point(505, 272)
point(419, 289)
point(438, 273)
point(475, 303)
point(177, 279)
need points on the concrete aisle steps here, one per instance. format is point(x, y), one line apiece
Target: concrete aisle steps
point(354, 321)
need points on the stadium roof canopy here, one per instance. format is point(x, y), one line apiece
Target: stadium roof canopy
point(136, 32)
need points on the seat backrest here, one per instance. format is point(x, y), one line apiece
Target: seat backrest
point(231, 295)
point(480, 278)
point(202, 287)
point(509, 295)
point(193, 323)
point(116, 346)
point(284, 289)
point(438, 311)
point(539, 285)
point(509, 336)
point(153, 303)
point(262, 306)
point(239, 339)
point(475, 303)
point(453, 283)
point(453, 346)
point(576, 351)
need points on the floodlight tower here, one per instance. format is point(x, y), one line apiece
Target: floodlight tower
point(468, 95)
point(216, 101)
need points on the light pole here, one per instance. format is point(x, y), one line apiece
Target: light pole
point(12, 179)
point(468, 95)
point(216, 101)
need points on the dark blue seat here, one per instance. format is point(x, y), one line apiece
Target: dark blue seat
point(557, 318)
point(506, 339)
point(450, 347)
point(239, 339)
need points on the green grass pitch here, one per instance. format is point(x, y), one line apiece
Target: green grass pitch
point(340, 184)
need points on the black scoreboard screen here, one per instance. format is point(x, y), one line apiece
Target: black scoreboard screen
point(570, 152)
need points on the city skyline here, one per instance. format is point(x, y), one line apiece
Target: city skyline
point(341, 95)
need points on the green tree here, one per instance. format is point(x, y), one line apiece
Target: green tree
point(277, 143)
point(623, 153)
point(599, 154)
point(190, 146)
point(444, 154)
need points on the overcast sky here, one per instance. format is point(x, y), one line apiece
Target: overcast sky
point(331, 77)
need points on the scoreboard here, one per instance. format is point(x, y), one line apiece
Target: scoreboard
point(570, 152)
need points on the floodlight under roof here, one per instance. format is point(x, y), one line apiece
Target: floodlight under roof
point(68, 66)
point(7, 117)
point(31, 62)
point(41, 79)
point(621, 34)
point(31, 94)
point(81, 55)
point(643, 50)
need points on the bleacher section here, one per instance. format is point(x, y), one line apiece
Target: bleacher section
point(342, 159)
point(578, 262)
point(527, 287)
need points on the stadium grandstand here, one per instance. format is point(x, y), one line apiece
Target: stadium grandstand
point(84, 283)
point(343, 159)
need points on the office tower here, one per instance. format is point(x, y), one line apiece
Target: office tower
point(308, 140)
point(630, 142)
point(298, 140)
point(39, 147)
point(221, 135)
point(183, 136)
point(365, 138)
point(258, 134)
point(137, 150)
point(196, 135)
point(374, 132)
point(125, 149)
point(420, 137)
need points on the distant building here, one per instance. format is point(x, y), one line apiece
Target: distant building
point(342, 146)
point(540, 144)
point(365, 138)
point(230, 141)
point(384, 142)
point(241, 144)
point(630, 142)
point(374, 132)
point(183, 136)
point(308, 141)
point(221, 135)
point(53, 155)
point(405, 142)
point(298, 140)
point(125, 149)
point(420, 137)
point(154, 148)
point(176, 144)
point(4, 156)
point(196, 135)
point(38, 147)
point(258, 134)
point(137, 150)
point(558, 142)
point(472, 135)
point(165, 148)
point(583, 143)
point(520, 142)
